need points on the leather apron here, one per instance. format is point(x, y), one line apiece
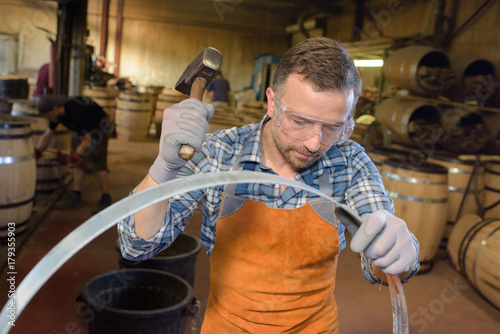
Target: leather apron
point(273, 270)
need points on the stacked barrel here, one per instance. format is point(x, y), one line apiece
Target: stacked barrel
point(421, 120)
point(432, 193)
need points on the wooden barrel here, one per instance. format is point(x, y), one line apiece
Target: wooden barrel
point(132, 116)
point(49, 173)
point(29, 108)
point(17, 174)
point(465, 132)
point(420, 69)
point(460, 200)
point(460, 171)
point(474, 79)
point(379, 154)
point(153, 92)
point(420, 198)
point(104, 97)
point(225, 118)
point(252, 111)
point(14, 87)
point(492, 189)
point(5, 107)
point(474, 250)
point(492, 121)
point(410, 122)
point(165, 99)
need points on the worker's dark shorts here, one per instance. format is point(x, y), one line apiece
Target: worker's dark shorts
point(95, 160)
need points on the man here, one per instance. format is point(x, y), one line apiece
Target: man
point(273, 254)
point(42, 82)
point(220, 88)
point(92, 125)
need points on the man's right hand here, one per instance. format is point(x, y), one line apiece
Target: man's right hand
point(38, 153)
point(183, 123)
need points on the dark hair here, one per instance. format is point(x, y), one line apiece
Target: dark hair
point(322, 62)
point(48, 102)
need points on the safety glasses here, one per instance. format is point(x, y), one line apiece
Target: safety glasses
point(303, 127)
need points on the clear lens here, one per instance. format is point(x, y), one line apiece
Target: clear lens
point(302, 127)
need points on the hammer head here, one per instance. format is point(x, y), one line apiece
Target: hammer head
point(205, 65)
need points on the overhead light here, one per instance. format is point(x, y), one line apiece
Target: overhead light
point(368, 62)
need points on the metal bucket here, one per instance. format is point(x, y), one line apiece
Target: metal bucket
point(178, 259)
point(138, 301)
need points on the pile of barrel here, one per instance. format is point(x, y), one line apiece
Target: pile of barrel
point(21, 176)
point(134, 112)
point(224, 116)
point(420, 119)
point(445, 201)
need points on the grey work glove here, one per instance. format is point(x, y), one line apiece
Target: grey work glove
point(183, 123)
point(385, 239)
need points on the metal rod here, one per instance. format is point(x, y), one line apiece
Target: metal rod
point(104, 27)
point(119, 24)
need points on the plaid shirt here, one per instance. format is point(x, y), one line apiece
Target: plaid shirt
point(354, 180)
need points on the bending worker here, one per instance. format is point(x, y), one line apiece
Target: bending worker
point(273, 252)
point(92, 125)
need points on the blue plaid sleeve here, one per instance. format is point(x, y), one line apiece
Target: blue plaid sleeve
point(366, 194)
point(179, 211)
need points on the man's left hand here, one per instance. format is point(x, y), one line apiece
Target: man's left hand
point(385, 239)
point(73, 159)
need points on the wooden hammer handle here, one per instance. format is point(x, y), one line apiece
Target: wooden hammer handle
point(198, 87)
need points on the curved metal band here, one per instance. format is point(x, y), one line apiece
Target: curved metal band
point(133, 110)
point(108, 217)
point(455, 170)
point(415, 199)
point(411, 179)
point(19, 136)
point(15, 160)
point(14, 205)
point(462, 191)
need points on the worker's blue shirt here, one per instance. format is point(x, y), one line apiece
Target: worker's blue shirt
point(220, 87)
point(354, 181)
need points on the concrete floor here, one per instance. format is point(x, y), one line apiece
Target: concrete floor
point(441, 301)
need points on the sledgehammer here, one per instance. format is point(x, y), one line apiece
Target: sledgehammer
point(195, 80)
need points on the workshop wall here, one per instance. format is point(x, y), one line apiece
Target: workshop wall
point(156, 53)
point(22, 18)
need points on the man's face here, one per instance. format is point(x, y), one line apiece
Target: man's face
point(322, 111)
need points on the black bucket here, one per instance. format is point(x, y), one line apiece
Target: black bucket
point(178, 259)
point(136, 301)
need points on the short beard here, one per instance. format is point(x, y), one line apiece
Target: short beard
point(285, 152)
